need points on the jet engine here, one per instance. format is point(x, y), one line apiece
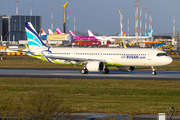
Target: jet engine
point(126, 68)
point(95, 66)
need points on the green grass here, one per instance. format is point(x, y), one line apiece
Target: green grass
point(86, 95)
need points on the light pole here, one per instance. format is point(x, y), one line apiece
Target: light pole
point(121, 22)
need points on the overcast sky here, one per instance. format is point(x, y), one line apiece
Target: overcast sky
point(99, 15)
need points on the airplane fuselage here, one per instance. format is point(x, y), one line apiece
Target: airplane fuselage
point(112, 56)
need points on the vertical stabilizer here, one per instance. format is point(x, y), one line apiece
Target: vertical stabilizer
point(149, 33)
point(124, 33)
point(54, 31)
point(90, 33)
point(42, 32)
point(50, 32)
point(72, 33)
point(34, 41)
point(59, 31)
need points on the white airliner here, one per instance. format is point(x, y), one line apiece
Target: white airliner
point(112, 38)
point(96, 59)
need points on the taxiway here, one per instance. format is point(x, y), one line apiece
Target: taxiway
point(74, 73)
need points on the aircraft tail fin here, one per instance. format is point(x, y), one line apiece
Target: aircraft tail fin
point(90, 33)
point(72, 33)
point(50, 32)
point(42, 32)
point(54, 31)
point(59, 31)
point(124, 33)
point(149, 33)
point(34, 41)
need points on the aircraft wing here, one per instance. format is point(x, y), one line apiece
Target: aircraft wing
point(73, 58)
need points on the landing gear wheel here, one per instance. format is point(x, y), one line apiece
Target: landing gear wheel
point(105, 71)
point(153, 72)
point(84, 71)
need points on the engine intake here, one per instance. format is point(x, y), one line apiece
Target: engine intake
point(95, 66)
point(126, 68)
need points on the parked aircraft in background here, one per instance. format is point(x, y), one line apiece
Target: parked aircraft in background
point(54, 31)
point(112, 38)
point(95, 59)
point(124, 33)
point(149, 33)
point(59, 31)
point(50, 32)
point(43, 35)
point(75, 37)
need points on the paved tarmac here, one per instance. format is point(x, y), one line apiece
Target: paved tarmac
point(74, 73)
point(82, 116)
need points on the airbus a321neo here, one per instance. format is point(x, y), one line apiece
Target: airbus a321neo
point(96, 59)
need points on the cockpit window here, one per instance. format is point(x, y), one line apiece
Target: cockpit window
point(162, 54)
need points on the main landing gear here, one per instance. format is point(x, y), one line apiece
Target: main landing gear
point(105, 71)
point(153, 70)
point(84, 71)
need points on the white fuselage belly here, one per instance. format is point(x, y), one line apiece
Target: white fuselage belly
point(122, 56)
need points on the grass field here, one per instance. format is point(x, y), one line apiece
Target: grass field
point(85, 95)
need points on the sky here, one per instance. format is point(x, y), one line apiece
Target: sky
point(99, 16)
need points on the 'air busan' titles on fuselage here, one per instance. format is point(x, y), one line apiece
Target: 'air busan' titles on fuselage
point(134, 56)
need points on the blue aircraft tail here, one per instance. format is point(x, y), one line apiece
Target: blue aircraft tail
point(149, 33)
point(34, 41)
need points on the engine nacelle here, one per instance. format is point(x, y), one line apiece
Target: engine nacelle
point(95, 66)
point(126, 68)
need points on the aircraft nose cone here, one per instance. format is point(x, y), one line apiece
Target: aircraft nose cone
point(169, 60)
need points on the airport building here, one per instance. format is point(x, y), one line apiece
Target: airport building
point(12, 28)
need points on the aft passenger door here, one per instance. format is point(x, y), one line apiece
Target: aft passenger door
point(149, 56)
